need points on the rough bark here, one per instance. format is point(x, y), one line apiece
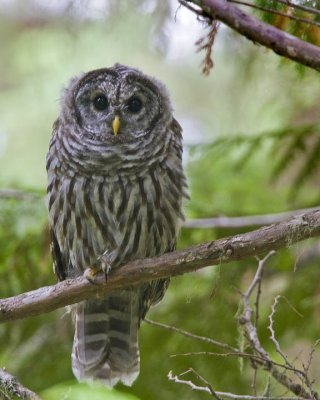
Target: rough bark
point(259, 32)
point(10, 388)
point(220, 251)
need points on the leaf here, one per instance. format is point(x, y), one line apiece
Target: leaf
point(298, 145)
point(311, 165)
point(251, 150)
point(289, 155)
point(300, 19)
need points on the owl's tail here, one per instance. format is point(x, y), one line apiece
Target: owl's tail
point(105, 343)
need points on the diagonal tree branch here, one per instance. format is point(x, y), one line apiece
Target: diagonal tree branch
point(267, 35)
point(220, 251)
point(10, 388)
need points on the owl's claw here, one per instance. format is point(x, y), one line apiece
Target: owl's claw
point(90, 274)
point(101, 265)
point(105, 266)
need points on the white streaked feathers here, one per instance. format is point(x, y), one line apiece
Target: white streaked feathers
point(112, 200)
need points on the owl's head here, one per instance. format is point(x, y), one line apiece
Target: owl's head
point(116, 105)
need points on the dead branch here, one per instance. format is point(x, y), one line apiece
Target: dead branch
point(206, 44)
point(272, 331)
point(192, 336)
point(235, 351)
point(8, 193)
point(258, 355)
point(251, 334)
point(10, 388)
point(243, 222)
point(177, 379)
point(216, 394)
point(259, 32)
point(216, 252)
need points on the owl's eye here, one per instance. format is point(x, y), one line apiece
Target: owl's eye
point(134, 104)
point(100, 102)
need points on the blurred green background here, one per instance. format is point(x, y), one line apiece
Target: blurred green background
point(239, 124)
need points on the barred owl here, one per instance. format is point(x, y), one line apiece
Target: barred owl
point(115, 191)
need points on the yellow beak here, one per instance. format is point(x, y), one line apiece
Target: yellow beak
point(116, 125)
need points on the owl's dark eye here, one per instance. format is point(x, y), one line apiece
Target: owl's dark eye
point(100, 102)
point(134, 104)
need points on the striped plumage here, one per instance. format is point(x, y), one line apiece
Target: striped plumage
point(113, 198)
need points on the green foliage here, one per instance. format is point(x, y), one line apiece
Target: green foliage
point(84, 391)
point(25, 264)
point(24, 254)
point(303, 21)
point(294, 152)
point(235, 175)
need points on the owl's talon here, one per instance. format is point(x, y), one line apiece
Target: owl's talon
point(101, 265)
point(106, 267)
point(90, 274)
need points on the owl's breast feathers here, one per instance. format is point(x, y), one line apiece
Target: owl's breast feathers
point(115, 191)
point(127, 216)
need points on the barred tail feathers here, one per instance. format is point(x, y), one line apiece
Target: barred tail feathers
point(106, 339)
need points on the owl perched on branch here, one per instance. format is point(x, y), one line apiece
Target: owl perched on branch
point(115, 191)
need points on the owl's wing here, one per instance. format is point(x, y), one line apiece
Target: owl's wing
point(58, 267)
point(153, 292)
point(176, 128)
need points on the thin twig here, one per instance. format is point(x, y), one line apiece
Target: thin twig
point(272, 332)
point(197, 11)
point(210, 353)
point(299, 6)
point(272, 11)
point(177, 379)
point(7, 193)
point(238, 353)
point(247, 313)
point(252, 335)
point(258, 275)
point(302, 375)
point(245, 221)
point(257, 299)
point(191, 335)
point(261, 358)
point(256, 322)
point(206, 44)
point(208, 385)
point(307, 367)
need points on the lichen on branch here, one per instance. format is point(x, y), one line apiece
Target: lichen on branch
point(222, 251)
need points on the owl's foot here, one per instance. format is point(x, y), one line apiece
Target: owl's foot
point(103, 264)
point(91, 273)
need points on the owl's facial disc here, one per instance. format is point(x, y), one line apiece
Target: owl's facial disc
point(93, 97)
point(139, 108)
point(132, 106)
point(115, 109)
